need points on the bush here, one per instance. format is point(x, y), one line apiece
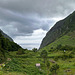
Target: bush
point(2, 55)
point(70, 56)
point(44, 55)
point(66, 47)
point(66, 56)
point(59, 47)
point(20, 51)
point(48, 64)
point(54, 68)
point(56, 58)
point(34, 49)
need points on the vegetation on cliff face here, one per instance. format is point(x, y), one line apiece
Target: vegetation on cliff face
point(60, 29)
point(5, 35)
point(5, 46)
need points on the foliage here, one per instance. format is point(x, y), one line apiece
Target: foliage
point(66, 41)
point(34, 50)
point(48, 64)
point(8, 45)
point(54, 68)
point(65, 56)
point(2, 55)
point(44, 55)
point(56, 58)
point(59, 46)
point(21, 66)
point(25, 63)
point(5, 46)
point(20, 51)
point(1, 68)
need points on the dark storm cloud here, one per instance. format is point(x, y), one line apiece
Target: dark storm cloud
point(22, 17)
point(43, 7)
point(21, 24)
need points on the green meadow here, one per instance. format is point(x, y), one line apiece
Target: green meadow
point(24, 64)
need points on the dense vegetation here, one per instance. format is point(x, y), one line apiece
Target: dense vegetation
point(57, 58)
point(57, 61)
point(5, 46)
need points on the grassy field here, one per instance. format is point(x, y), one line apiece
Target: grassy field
point(65, 40)
point(25, 64)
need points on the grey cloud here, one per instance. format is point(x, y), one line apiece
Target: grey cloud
point(20, 24)
point(42, 7)
point(22, 17)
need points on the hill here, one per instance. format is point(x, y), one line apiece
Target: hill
point(6, 45)
point(5, 35)
point(62, 28)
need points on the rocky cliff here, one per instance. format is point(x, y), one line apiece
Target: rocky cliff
point(61, 28)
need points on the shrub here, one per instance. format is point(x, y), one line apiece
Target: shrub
point(51, 47)
point(54, 68)
point(59, 47)
point(20, 51)
point(64, 57)
point(56, 58)
point(44, 55)
point(48, 64)
point(34, 49)
point(66, 47)
point(2, 55)
point(74, 64)
point(70, 56)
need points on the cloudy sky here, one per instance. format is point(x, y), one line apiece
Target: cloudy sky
point(27, 21)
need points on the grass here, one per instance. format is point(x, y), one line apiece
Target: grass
point(25, 64)
point(14, 73)
point(65, 40)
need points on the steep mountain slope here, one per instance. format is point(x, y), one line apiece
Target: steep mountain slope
point(60, 29)
point(5, 35)
point(6, 45)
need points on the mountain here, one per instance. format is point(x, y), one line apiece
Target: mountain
point(62, 28)
point(6, 45)
point(5, 35)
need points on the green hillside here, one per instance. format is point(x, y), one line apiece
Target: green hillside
point(5, 35)
point(53, 60)
point(5, 46)
point(60, 29)
point(68, 39)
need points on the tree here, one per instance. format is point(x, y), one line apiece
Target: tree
point(48, 66)
point(54, 68)
point(1, 34)
point(59, 46)
point(44, 55)
point(34, 49)
point(20, 51)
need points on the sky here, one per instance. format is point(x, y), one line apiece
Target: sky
point(28, 21)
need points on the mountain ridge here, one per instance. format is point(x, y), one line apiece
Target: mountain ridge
point(61, 28)
point(6, 45)
point(5, 35)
